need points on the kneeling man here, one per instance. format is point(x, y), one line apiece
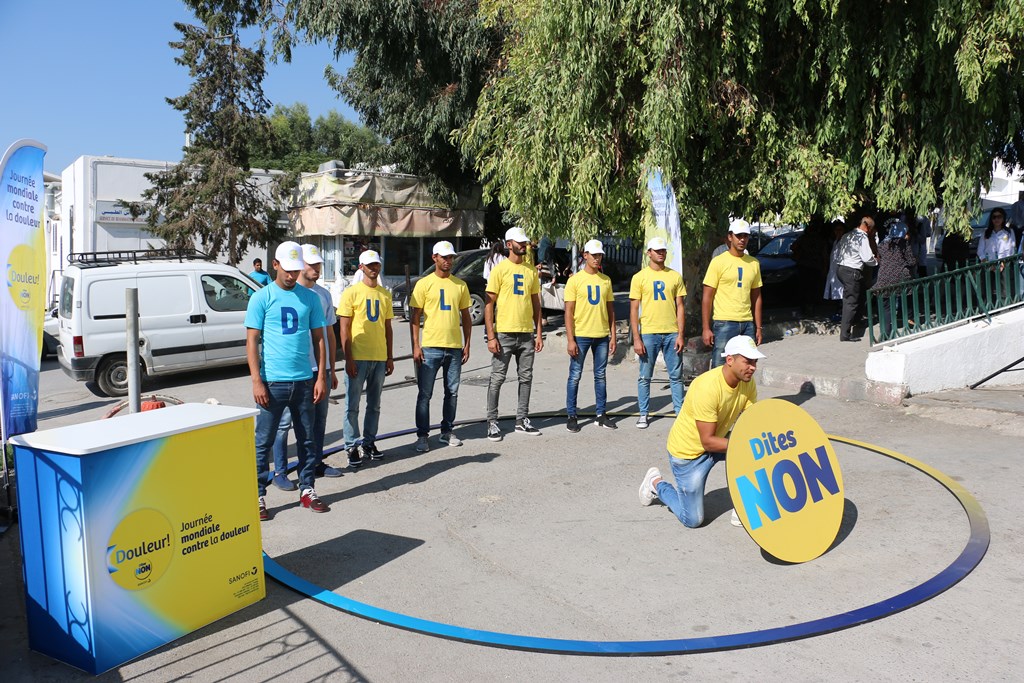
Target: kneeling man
point(698, 438)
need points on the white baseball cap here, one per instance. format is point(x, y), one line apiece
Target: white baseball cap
point(593, 247)
point(444, 248)
point(657, 243)
point(289, 256)
point(739, 228)
point(310, 254)
point(742, 345)
point(516, 235)
point(369, 256)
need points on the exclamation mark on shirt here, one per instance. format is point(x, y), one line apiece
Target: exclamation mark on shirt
point(739, 281)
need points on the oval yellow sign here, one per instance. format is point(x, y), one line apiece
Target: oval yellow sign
point(785, 481)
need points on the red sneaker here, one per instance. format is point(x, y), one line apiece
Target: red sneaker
point(264, 515)
point(310, 500)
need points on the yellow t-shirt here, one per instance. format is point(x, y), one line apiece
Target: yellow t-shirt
point(515, 285)
point(657, 291)
point(442, 300)
point(709, 399)
point(368, 307)
point(592, 293)
point(733, 277)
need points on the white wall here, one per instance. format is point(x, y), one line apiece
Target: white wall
point(1005, 186)
point(90, 219)
point(955, 358)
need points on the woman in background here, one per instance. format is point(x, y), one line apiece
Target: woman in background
point(897, 263)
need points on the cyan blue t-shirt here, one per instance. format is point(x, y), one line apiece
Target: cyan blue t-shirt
point(285, 317)
point(260, 277)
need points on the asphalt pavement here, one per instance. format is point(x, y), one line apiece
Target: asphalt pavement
point(544, 536)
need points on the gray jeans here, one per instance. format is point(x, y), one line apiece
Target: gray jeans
point(519, 345)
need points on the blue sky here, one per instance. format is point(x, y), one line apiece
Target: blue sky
point(90, 77)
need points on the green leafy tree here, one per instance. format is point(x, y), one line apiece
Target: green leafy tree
point(296, 143)
point(419, 69)
point(783, 107)
point(211, 196)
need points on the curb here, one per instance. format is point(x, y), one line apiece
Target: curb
point(847, 388)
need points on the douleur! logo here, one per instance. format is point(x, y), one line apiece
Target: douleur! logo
point(785, 481)
point(23, 279)
point(140, 549)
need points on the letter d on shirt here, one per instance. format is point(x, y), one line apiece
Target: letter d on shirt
point(289, 320)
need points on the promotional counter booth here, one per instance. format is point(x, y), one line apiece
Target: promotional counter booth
point(137, 530)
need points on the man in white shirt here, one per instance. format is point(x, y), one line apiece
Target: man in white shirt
point(856, 251)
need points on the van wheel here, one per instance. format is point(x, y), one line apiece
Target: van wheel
point(112, 375)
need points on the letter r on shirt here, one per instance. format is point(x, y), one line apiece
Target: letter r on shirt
point(659, 291)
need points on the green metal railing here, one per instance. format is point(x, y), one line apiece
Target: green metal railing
point(935, 301)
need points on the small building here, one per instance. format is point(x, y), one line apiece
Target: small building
point(342, 211)
point(345, 211)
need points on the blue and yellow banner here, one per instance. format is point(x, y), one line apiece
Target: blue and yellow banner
point(23, 255)
point(666, 219)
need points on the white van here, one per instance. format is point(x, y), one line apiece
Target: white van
point(191, 315)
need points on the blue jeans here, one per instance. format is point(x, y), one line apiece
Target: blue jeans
point(296, 397)
point(371, 374)
point(319, 430)
point(434, 359)
point(281, 443)
point(654, 344)
point(724, 330)
point(572, 387)
point(687, 503)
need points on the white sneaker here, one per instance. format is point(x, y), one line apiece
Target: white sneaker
point(450, 439)
point(647, 492)
point(641, 422)
point(421, 444)
point(735, 521)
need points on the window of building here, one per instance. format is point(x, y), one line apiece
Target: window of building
point(329, 252)
point(402, 251)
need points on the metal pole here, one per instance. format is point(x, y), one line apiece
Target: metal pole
point(131, 303)
point(408, 312)
point(997, 372)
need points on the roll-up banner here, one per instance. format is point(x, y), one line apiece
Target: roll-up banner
point(23, 255)
point(666, 218)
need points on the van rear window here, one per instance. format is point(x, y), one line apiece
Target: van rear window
point(67, 297)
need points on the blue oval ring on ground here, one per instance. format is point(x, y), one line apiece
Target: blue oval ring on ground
point(966, 561)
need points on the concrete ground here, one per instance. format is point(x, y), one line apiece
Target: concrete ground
point(545, 536)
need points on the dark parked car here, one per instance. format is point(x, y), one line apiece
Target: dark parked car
point(469, 267)
point(978, 227)
point(780, 283)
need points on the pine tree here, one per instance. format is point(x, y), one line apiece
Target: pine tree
point(211, 197)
